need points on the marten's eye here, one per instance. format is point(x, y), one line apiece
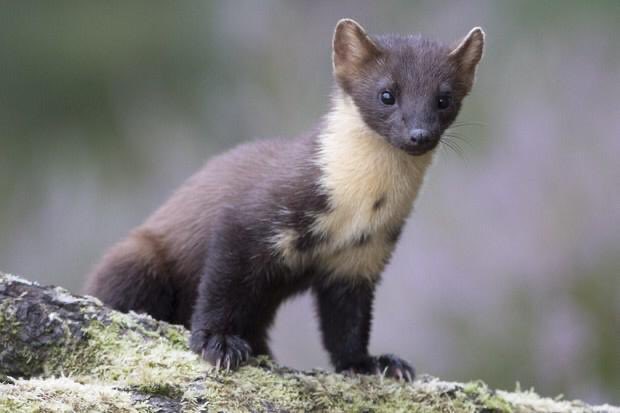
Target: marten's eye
point(443, 102)
point(387, 98)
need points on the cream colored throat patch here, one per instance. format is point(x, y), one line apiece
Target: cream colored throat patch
point(371, 186)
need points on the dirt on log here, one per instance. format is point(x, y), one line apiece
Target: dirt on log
point(64, 353)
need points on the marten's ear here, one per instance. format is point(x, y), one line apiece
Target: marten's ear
point(352, 48)
point(467, 55)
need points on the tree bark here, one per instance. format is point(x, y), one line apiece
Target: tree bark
point(60, 352)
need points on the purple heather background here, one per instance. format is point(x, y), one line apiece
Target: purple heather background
point(509, 269)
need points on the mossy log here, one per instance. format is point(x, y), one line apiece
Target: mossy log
point(64, 353)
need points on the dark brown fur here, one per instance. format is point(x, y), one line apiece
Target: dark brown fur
point(166, 255)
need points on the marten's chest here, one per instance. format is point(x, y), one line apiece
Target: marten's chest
point(370, 187)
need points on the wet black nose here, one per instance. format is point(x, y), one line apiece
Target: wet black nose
point(419, 136)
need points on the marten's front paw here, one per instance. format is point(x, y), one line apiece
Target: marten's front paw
point(386, 364)
point(222, 351)
point(395, 367)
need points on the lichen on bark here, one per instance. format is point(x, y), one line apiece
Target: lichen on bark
point(60, 352)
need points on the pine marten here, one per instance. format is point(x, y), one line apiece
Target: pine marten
point(271, 219)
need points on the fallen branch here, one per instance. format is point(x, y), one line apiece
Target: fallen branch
point(60, 352)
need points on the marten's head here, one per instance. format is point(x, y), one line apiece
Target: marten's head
point(408, 89)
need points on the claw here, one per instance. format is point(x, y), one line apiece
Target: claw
point(225, 352)
point(239, 357)
point(227, 361)
point(408, 375)
point(399, 374)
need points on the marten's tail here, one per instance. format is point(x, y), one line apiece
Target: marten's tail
point(133, 275)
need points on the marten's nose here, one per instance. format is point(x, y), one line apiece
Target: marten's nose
point(420, 137)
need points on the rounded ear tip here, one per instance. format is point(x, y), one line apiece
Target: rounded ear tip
point(347, 22)
point(477, 31)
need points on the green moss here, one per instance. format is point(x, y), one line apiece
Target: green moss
point(248, 389)
point(123, 354)
point(177, 336)
point(64, 395)
point(481, 394)
point(22, 358)
point(160, 389)
point(8, 323)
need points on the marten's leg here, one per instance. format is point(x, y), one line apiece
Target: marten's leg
point(237, 299)
point(345, 313)
point(133, 276)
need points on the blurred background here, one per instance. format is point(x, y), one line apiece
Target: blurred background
point(509, 269)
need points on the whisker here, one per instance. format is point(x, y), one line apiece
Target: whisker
point(459, 149)
point(453, 147)
point(450, 142)
point(444, 146)
point(459, 137)
point(453, 132)
point(465, 124)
